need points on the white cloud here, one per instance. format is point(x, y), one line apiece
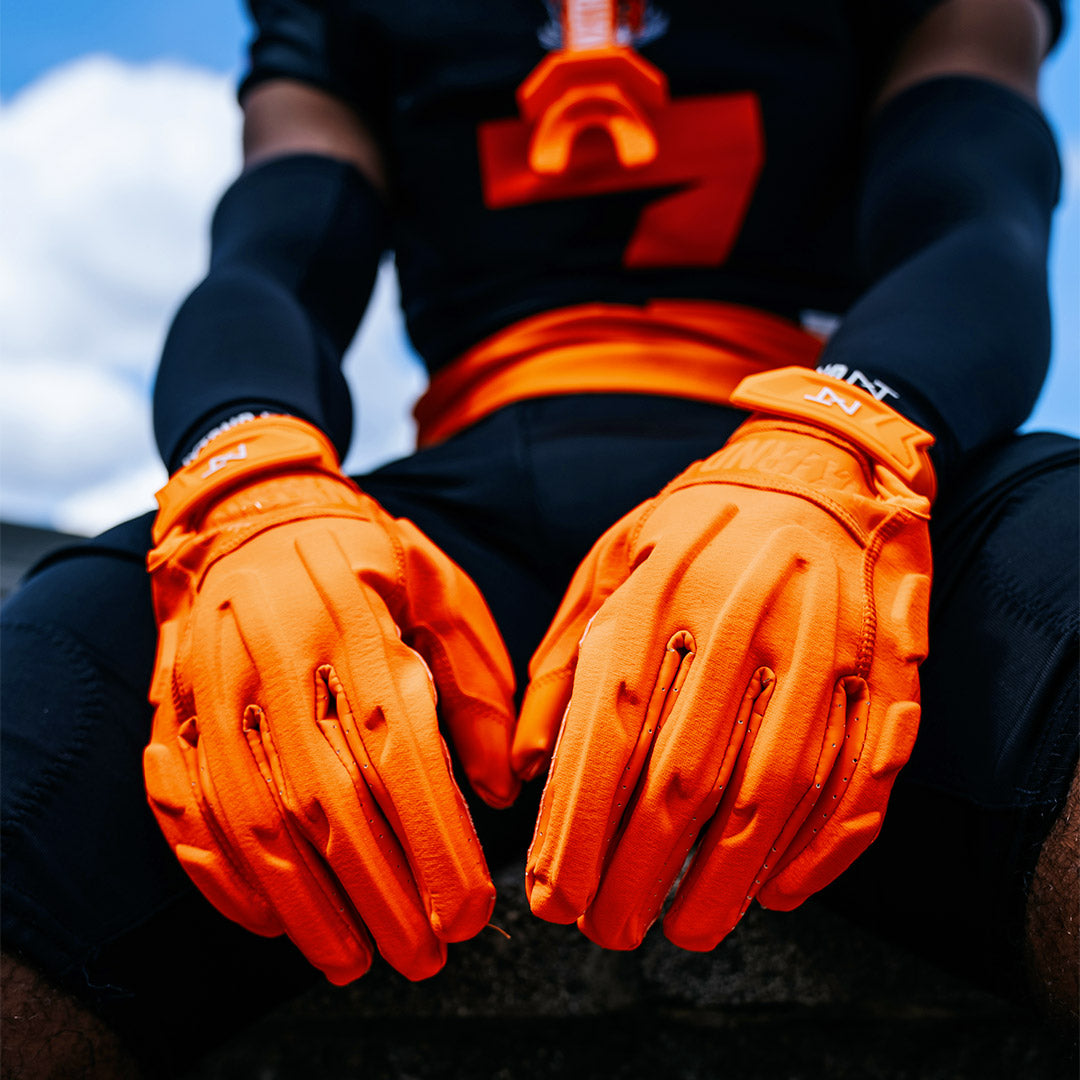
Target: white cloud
point(110, 173)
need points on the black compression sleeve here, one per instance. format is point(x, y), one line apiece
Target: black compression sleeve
point(962, 178)
point(295, 245)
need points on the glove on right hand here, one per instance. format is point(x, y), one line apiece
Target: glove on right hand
point(296, 765)
point(735, 657)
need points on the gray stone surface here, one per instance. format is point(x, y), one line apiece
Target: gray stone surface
point(786, 996)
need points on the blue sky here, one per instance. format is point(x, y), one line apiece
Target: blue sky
point(112, 165)
point(40, 36)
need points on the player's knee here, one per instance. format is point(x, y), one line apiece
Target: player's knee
point(1053, 912)
point(47, 1034)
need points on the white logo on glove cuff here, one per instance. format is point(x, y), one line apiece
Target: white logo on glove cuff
point(219, 461)
point(825, 396)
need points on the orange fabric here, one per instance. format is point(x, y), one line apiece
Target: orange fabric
point(701, 156)
point(848, 410)
point(296, 767)
point(607, 88)
point(736, 659)
point(678, 348)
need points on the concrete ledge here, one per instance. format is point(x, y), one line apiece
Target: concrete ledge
point(787, 996)
point(21, 546)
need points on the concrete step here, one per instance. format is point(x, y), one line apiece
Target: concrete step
point(786, 996)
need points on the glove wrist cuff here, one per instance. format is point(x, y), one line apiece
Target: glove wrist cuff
point(253, 450)
point(854, 414)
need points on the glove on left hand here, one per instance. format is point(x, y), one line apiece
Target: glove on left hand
point(736, 655)
point(296, 765)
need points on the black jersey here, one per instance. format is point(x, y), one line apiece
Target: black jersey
point(435, 79)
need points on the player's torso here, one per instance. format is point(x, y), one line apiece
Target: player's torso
point(748, 198)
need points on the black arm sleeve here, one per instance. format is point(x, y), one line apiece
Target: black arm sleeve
point(962, 178)
point(295, 247)
point(290, 42)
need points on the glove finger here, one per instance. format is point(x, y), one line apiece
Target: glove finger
point(881, 737)
point(588, 795)
point(377, 870)
point(387, 689)
point(249, 794)
point(313, 910)
point(449, 624)
point(337, 825)
point(171, 774)
point(693, 756)
point(542, 712)
point(773, 786)
point(620, 699)
point(669, 811)
point(852, 806)
point(753, 823)
point(551, 670)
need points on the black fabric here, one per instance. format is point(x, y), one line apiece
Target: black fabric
point(296, 244)
point(291, 41)
point(962, 179)
point(997, 746)
point(427, 74)
point(335, 46)
point(92, 894)
point(929, 229)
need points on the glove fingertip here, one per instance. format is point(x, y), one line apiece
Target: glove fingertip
point(528, 762)
point(775, 898)
point(693, 937)
point(547, 901)
point(167, 787)
point(222, 886)
point(467, 917)
point(425, 964)
point(624, 937)
point(498, 792)
point(484, 748)
point(344, 973)
point(546, 700)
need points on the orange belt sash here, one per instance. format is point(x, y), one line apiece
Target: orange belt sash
point(677, 348)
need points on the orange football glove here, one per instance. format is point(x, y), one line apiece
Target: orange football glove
point(296, 765)
point(738, 658)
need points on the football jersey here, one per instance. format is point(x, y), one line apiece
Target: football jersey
point(749, 197)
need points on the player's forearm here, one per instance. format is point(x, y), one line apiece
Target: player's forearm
point(962, 177)
point(295, 247)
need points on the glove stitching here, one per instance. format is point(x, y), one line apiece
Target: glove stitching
point(400, 589)
point(205, 811)
point(782, 486)
point(191, 515)
point(648, 510)
point(228, 539)
point(787, 857)
point(284, 801)
point(397, 600)
point(763, 424)
point(179, 697)
point(558, 673)
point(883, 533)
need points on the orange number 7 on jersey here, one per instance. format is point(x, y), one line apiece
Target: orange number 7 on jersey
point(606, 125)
